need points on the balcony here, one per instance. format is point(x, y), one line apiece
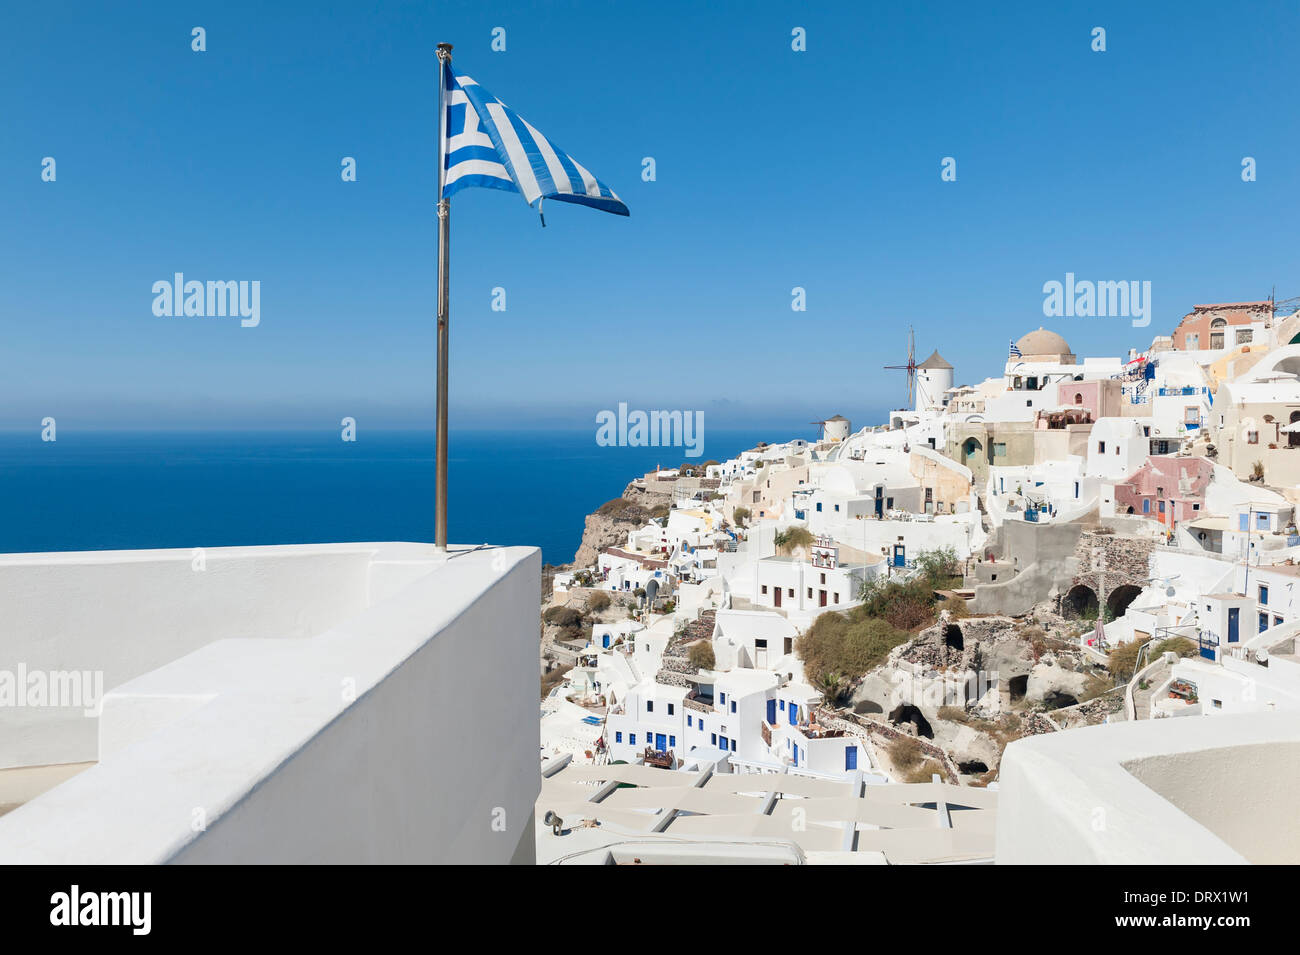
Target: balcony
point(336, 703)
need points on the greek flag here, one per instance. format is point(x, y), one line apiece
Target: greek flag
point(487, 144)
point(1015, 352)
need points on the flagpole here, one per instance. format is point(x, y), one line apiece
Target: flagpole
point(444, 317)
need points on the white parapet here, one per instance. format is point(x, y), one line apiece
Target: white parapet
point(1190, 791)
point(313, 703)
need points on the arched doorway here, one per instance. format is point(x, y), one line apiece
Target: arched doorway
point(1216, 332)
point(1080, 601)
point(1118, 600)
point(970, 448)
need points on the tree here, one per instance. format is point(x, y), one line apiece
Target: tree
point(793, 537)
point(740, 515)
point(938, 567)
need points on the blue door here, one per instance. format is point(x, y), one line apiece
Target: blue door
point(661, 742)
point(793, 712)
point(900, 555)
point(796, 754)
point(850, 757)
point(880, 501)
point(771, 712)
point(605, 641)
point(723, 743)
point(1234, 614)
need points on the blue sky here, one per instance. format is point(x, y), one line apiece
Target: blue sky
point(775, 169)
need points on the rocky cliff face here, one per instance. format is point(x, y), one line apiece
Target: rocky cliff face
point(600, 532)
point(610, 530)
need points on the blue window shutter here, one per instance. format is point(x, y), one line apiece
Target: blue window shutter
point(672, 741)
point(631, 738)
point(618, 736)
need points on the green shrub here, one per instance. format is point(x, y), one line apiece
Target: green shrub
point(740, 515)
point(957, 607)
point(1123, 660)
point(925, 773)
point(562, 616)
point(905, 753)
point(836, 645)
point(1179, 645)
point(701, 655)
point(598, 601)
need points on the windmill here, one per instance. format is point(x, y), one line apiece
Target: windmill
point(910, 367)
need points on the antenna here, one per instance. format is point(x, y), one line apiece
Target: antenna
point(910, 367)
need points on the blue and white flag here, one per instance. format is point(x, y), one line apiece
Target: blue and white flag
point(1015, 352)
point(487, 144)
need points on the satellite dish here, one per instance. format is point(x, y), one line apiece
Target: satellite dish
point(1261, 655)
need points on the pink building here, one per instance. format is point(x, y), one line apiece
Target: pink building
point(1103, 397)
point(1168, 489)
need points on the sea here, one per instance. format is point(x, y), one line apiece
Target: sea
point(97, 490)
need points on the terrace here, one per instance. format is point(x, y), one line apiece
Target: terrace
point(273, 704)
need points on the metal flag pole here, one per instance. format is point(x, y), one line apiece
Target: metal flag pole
point(444, 317)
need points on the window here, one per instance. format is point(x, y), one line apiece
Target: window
point(1117, 450)
point(631, 739)
point(713, 738)
point(733, 745)
point(1277, 621)
point(1261, 522)
point(1162, 507)
point(649, 706)
point(819, 507)
point(1252, 437)
point(1192, 415)
point(1263, 595)
point(835, 599)
point(781, 705)
point(1101, 447)
point(1218, 704)
point(618, 736)
point(733, 706)
point(1263, 622)
point(823, 578)
point(670, 709)
point(688, 720)
point(672, 741)
point(999, 449)
point(1243, 336)
point(810, 593)
point(789, 591)
point(722, 698)
point(765, 588)
point(1146, 507)
point(837, 507)
point(1078, 398)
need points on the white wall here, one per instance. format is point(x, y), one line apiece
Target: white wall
point(399, 735)
point(124, 613)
